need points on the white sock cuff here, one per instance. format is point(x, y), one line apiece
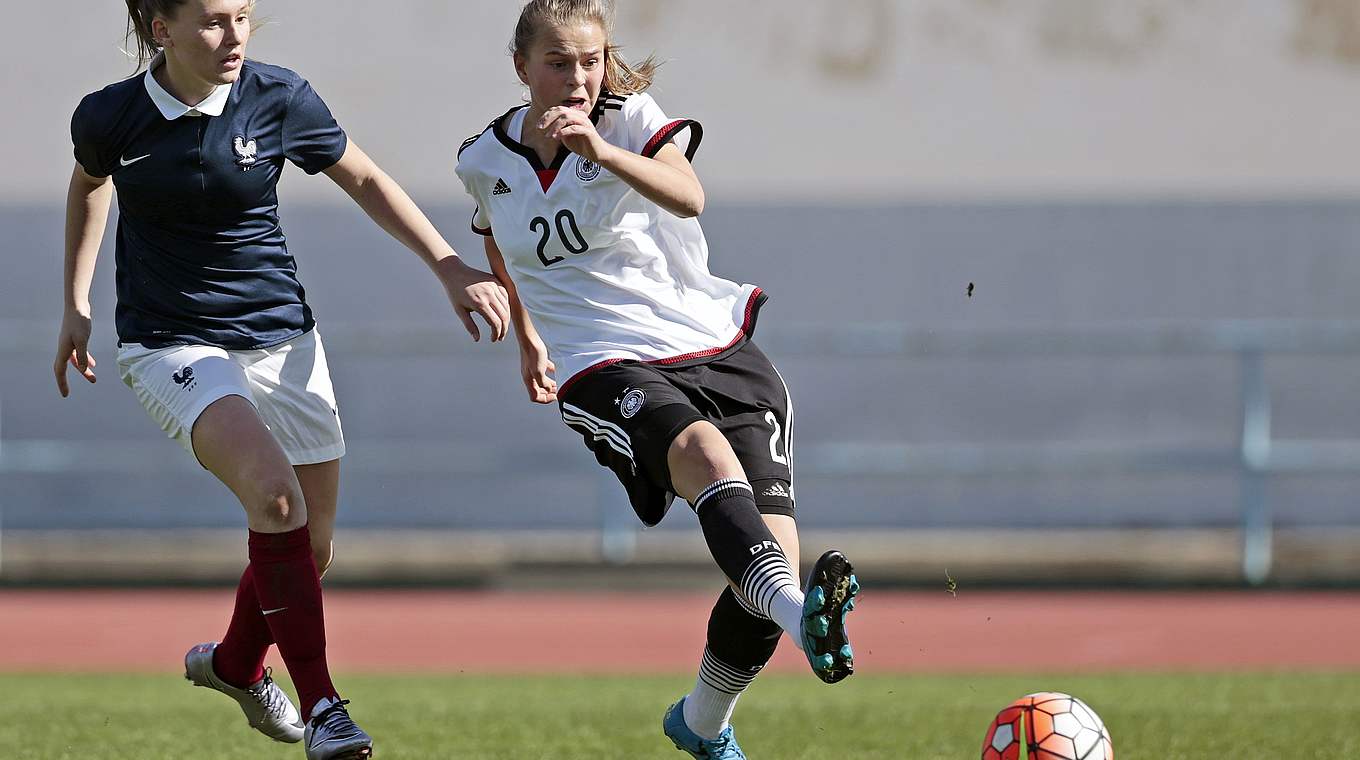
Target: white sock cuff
point(720, 489)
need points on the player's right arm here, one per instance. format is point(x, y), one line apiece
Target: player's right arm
point(535, 367)
point(87, 211)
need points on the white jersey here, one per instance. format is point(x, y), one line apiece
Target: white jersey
point(605, 274)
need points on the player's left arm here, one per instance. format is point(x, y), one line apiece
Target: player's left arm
point(535, 368)
point(470, 290)
point(667, 180)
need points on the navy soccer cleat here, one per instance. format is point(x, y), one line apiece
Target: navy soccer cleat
point(332, 735)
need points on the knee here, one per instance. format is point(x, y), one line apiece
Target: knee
point(699, 456)
point(279, 504)
point(695, 443)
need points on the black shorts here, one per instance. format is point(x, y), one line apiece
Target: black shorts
point(629, 412)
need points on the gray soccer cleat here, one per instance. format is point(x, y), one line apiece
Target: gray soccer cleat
point(332, 735)
point(266, 706)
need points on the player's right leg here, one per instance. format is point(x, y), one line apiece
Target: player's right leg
point(177, 385)
point(706, 472)
point(755, 414)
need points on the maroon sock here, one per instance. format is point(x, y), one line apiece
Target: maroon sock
point(289, 592)
point(239, 659)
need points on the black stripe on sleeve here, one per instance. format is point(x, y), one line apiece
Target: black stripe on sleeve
point(668, 133)
point(483, 231)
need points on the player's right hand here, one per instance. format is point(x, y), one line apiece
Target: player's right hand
point(536, 369)
point(73, 348)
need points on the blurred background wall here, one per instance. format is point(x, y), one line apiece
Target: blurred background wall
point(1156, 203)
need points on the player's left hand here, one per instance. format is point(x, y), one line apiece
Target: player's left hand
point(474, 291)
point(574, 129)
point(536, 370)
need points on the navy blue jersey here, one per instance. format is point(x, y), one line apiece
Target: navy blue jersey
point(201, 257)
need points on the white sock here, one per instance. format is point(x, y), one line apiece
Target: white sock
point(708, 708)
point(786, 609)
point(768, 590)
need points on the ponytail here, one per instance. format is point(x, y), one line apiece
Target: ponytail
point(623, 78)
point(140, 15)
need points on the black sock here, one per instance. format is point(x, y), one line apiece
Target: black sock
point(746, 551)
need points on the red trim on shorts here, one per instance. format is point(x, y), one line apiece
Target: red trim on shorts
point(742, 332)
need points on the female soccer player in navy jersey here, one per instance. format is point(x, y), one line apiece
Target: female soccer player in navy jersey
point(588, 204)
point(215, 336)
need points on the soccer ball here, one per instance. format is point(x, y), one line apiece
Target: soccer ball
point(1047, 726)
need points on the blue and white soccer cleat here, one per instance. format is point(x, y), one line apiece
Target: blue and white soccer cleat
point(722, 748)
point(829, 597)
point(332, 735)
point(266, 706)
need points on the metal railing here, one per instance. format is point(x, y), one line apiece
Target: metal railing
point(1255, 457)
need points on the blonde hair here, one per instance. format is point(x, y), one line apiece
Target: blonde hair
point(620, 77)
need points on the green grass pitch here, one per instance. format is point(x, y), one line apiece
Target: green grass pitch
point(1155, 716)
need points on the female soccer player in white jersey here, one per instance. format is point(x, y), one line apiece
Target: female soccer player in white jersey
point(587, 201)
point(215, 336)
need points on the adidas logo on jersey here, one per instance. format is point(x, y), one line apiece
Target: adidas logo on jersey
point(501, 188)
point(778, 489)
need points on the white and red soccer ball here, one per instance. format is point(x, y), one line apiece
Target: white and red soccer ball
point(1047, 726)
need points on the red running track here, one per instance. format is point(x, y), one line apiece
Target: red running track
point(663, 632)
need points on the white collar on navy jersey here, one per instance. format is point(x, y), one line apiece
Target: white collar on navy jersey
point(171, 107)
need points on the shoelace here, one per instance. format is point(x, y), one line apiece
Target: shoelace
point(717, 747)
point(269, 695)
point(334, 718)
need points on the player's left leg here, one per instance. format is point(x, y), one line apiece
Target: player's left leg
point(302, 413)
point(740, 642)
point(321, 489)
point(239, 658)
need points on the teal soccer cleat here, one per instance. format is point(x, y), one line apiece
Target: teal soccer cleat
point(829, 597)
point(722, 748)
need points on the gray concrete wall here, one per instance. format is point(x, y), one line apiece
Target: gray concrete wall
point(444, 438)
point(875, 100)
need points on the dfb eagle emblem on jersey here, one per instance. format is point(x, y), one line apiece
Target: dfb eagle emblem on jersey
point(587, 170)
point(245, 152)
point(632, 403)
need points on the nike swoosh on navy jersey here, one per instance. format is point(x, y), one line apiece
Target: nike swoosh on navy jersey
point(126, 162)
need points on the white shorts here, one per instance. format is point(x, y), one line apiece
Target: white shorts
point(288, 384)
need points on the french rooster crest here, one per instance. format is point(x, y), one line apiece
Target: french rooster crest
point(245, 150)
